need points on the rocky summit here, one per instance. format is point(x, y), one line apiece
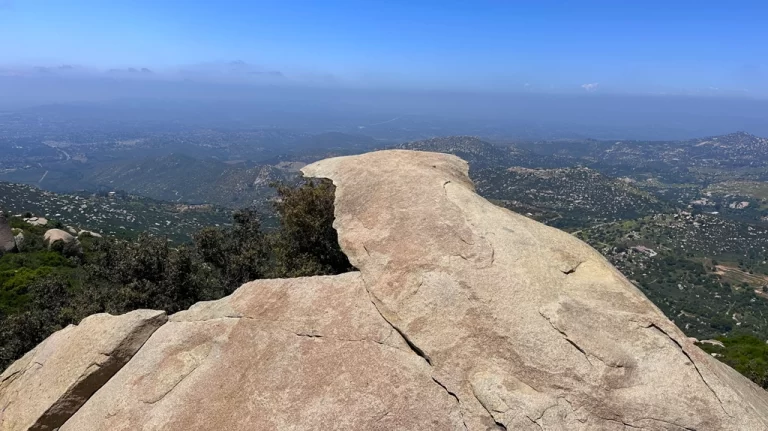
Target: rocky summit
point(461, 316)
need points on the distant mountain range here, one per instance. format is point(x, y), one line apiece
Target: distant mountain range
point(735, 149)
point(482, 154)
point(180, 178)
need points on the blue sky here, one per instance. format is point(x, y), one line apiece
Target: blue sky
point(648, 47)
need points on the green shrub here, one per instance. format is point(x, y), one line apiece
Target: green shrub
point(746, 354)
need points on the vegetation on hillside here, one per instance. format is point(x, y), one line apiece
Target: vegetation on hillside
point(745, 353)
point(116, 214)
point(567, 198)
point(42, 291)
point(705, 273)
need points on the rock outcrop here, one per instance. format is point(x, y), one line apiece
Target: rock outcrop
point(19, 239)
point(462, 315)
point(36, 221)
point(50, 383)
point(7, 241)
point(88, 233)
point(53, 235)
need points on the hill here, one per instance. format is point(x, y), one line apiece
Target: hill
point(116, 214)
point(482, 154)
point(474, 150)
point(733, 151)
point(705, 272)
point(180, 178)
point(332, 141)
point(566, 197)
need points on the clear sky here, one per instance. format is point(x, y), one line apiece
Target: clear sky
point(611, 46)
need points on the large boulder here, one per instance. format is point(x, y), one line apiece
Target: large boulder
point(528, 326)
point(7, 241)
point(463, 315)
point(19, 239)
point(53, 235)
point(36, 221)
point(44, 388)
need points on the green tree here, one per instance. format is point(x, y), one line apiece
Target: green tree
point(307, 243)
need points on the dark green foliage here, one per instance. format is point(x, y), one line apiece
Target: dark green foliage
point(47, 313)
point(680, 275)
point(120, 276)
point(43, 290)
point(19, 271)
point(746, 354)
point(307, 243)
point(239, 253)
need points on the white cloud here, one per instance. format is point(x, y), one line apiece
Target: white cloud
point(590, 87)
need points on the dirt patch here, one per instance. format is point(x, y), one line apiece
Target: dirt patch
point(738, 275)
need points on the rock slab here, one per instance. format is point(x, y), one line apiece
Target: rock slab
point(303, 354)
point(44, 388)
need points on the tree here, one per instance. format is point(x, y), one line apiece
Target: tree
point(48, 311)
point(240, 253)
point(307, 243)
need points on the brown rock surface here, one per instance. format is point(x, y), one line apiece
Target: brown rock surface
point(44, 388)
point(7, 242)
point(463, 316)
point(310, 353)
point(530, 327)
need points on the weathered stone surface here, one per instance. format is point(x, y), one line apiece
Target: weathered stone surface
point(53, 235)
point(527, 325)
point(37, 221)
point(304, 354)
point(463, 316)
point(7, 243)
point(88, 232)
point(19, 239)
point(44, 388)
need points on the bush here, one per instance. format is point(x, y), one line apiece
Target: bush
point(307, 243)
point(746, 354)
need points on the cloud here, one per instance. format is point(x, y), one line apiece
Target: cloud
point(231, 71)
point(590, 87)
